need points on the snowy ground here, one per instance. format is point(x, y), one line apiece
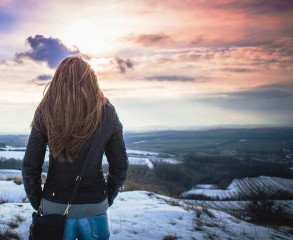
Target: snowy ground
point(9, 173)
point(11, 192)
point(245, 186)
point(143, 215)
point(136, 157)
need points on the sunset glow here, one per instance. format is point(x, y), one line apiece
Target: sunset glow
point(163, 64)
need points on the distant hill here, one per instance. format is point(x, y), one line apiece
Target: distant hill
point(245, 189)
point(177, 142)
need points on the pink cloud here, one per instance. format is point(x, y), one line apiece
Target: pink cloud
point(148, 40)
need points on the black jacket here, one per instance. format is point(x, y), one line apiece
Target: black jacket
point(61, 176)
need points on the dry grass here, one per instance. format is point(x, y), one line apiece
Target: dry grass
point(19, 180)
point(170, 237)
point(19, 218)
point(132, 186)
point(207, 211)
point(13, 225)
point(9, 235)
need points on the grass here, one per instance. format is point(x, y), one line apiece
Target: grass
point(172, 202)
point(13, 225)
point(19, 180)
point(170, 237)
point(207, 211)
point(19, 218)
point(9, 235)
point(132, 186)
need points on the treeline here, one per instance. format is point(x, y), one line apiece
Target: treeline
point(172, 180)
point(221, 170)
point(12, 163)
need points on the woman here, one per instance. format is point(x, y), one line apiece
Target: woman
point(73, 117)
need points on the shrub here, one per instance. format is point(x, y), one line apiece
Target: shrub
point(170, 237)
point(2, 201)
point(19, 218)
point(263, 210)
point(207, 211)
point(18, 181)
point(12, 225)
point(8, 235)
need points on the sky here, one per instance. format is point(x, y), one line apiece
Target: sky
point(172, 64)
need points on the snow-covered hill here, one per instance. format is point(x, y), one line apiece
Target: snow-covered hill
point(136, 157)
point(145, 215)
point(242, 188)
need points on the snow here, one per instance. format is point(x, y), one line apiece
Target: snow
point(139, 152)
point(18, 154)
point(205, 186)
point(9, 148)
point(140, 161)
point(11, 192)
point(9, 173)
point(148, 216)
point(139, 142)
point(143, 215)
point(241, 206)
point(231, 191)
point(244, 186)
point(136, 157)
point(149, 161)
point(12, 154)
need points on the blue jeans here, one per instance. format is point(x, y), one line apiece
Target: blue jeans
point(87, 228)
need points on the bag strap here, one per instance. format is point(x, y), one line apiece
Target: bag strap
point(78, 178)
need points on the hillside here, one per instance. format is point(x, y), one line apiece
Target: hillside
point(207, 140)
point(241, 189)
point(145, 215)
point(243, 140)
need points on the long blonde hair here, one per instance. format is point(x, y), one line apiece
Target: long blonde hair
point(71, 109)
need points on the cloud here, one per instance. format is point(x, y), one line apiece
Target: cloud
point(170, 78)
point(237, 69)
point(150, 39)
point(50, 50)
point(265, 7)
point(123, 64)
point(44, 77)
point(273, 98)
point(197, 40)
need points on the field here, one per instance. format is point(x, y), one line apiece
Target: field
point(140, 215)
point(199, 174)
point(243, 189)
point(178, 142)
point(215, 140)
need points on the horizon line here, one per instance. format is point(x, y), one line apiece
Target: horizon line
point(189, 128)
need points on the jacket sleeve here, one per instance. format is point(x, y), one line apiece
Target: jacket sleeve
point(32, 166)
point(117, 158)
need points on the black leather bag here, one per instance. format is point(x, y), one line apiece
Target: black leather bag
point(47, 227)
